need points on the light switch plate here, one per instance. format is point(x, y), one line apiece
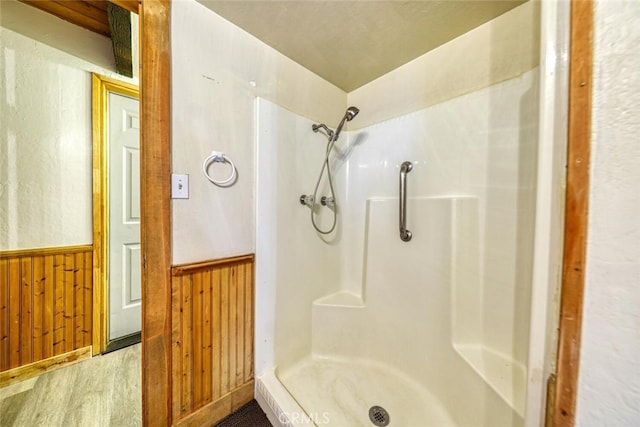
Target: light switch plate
point(179, 186)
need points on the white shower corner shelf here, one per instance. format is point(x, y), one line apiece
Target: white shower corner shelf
point(507, 377)
point(341, 299)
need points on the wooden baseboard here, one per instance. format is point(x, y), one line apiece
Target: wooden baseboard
point(37, 368)
point(215, 411)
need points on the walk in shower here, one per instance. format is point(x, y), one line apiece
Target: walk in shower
point(363, 327)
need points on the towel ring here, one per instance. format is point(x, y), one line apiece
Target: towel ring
point(219, 157)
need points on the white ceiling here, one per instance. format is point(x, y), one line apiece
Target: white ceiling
point(350, 43)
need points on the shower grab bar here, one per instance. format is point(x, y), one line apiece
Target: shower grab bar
point(405, 168)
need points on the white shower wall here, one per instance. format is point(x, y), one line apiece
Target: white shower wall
point(482, 145)
point(479, 147)
point(294, 267)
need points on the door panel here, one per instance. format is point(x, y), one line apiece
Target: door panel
point(124, 216)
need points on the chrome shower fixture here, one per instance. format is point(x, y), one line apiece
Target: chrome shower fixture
point(307, 200)
point(348, 116)
point(330, 200)
point(333, 136)
point(316, 128)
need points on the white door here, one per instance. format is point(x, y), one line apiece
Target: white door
point(125, 315)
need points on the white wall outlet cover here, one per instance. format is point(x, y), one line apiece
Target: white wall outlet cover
point(179, 186)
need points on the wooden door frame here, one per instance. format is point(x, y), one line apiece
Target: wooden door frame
point(564, 387)
point(101, 86)
point(156, 212)
point(155, 175)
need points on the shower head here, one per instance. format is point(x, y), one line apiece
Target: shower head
point(348, 116)
point(351, 113)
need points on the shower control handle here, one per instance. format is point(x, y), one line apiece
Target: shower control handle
point(306, 200)
point(327, 201)
point(405, 168)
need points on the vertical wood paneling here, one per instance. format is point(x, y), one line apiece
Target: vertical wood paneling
point(43, 304)
point(249, 295)
point(176, 347)
point(240, 327)
point(187, 345)
point(14, 313)
point(197, 341)
point(232, 334)
point(38, 304)
point(207, 359)
point(78, 302)
point(224, 328)
point(26, 315)
point(216, 326)
point(212, 333)
point(4, 313)
point(58, 310)
point(69, 286)
point(49, 306)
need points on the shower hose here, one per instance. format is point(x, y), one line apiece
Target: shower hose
point(325, 165)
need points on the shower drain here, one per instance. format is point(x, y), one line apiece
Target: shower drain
point(379, 416)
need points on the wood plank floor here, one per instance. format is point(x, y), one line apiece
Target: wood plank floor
point(102, 391)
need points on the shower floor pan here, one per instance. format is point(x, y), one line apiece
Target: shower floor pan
point(340, 393)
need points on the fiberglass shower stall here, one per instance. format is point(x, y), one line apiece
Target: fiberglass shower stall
point(368, 329)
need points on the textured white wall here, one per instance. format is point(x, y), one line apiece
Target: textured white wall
point(45, 126)
point(218, 70)
point(45, 147)
point(609, 389)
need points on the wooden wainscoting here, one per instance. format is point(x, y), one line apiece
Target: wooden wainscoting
point(45, 304)
point(212, 339)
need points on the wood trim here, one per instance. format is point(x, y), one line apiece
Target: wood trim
point(82, 13)
point(155, 78)
point(221, 408)
point(37, 368)
point(60, 250)
point(130, 5)
point(576, 212)
point(180, 270)
point(101, 87)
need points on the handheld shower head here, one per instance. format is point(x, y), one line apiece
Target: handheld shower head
point(348, 116)
point(351, 113)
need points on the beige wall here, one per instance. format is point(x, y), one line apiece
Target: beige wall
point(45, 129)
point(218, 70)
point(499, 50)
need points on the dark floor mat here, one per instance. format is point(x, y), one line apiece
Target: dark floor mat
point(250, 415)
